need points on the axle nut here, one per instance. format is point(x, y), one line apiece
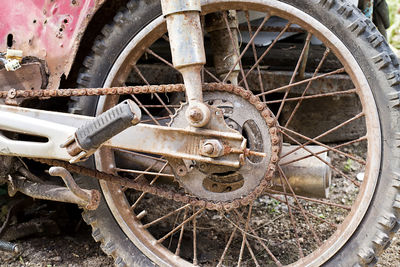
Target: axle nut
point(198, 114)
point(195, 115)
point(211, 148)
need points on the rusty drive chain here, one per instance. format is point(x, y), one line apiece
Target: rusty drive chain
point(144, 186)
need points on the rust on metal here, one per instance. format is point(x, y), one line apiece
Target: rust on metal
point(47, 30)
point(144, 186)
point(29, 77)
point(52, 192)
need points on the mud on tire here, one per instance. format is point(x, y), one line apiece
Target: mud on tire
point(374, 57)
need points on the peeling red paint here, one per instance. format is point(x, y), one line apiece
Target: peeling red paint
point(47, 29)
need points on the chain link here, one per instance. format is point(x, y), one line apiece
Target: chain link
point(143, 186)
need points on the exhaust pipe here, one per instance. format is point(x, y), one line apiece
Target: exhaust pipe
point(308, 177)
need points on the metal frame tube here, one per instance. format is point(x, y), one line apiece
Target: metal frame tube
point(160, 140)
point(53, 192)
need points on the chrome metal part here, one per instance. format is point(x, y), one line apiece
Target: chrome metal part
point(309, 177)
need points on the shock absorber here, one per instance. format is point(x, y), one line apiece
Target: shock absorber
point(188, 55)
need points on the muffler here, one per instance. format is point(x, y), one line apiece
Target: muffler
point(308, 177)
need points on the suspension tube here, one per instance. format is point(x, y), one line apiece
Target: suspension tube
point(188, 55)
point(225, 49)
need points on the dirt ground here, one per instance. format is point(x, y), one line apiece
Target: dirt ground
point(80, 250)
point(72, 245)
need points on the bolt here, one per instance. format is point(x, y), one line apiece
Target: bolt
point(181, 170)
point(232, 125)
point(12, 93)
point(208, 148)
point(195, 115)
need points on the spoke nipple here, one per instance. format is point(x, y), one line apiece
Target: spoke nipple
point(141, 215)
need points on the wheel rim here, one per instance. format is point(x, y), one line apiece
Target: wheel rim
point(119, 204)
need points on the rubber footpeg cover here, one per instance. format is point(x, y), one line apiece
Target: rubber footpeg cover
point(108, 124)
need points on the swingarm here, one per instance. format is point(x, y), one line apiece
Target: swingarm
point(75, 137)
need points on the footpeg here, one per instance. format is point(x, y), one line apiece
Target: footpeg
point(93, 134)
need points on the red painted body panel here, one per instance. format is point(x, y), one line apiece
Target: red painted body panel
point(47, 29)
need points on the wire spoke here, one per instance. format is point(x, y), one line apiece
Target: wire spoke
point(259, 239)
point(180, 226)
point(361, 161)
point(144, 172)
point(326, 150)
point(151, 183)
point(161, 106)
point(266, 52)
point(347, 92)
point(282, 175)
point(325, 133)
point(246, 228)
point(147, 83)
point(148, 50)
point(145, 109)
point(194, 222)
point(253, 256)
point(296, 69)
point(338, 71)
point(178, 247)
point(307, 212)
point(157, 119)
point(255, 54)
point(324, 161)
point(204, 70)
point(292, 220)
point(307, 87)
point(228, 244)
point(165, 216)
point(225, 16)
point(139, 154)
point(310, 199)
point(172, 236)
point(266, 18)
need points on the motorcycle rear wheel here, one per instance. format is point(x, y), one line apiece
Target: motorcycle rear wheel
point(367, 59)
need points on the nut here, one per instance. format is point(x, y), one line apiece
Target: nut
point(195, 115)
point(211, 148)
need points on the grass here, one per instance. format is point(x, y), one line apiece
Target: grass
point(394, 30)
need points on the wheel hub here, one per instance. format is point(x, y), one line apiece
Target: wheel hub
point(221, 183)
